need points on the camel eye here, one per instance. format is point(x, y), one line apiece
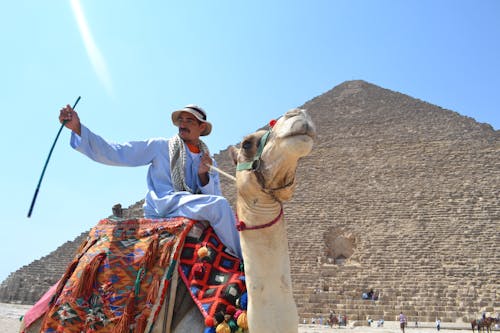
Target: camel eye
point(247, 145)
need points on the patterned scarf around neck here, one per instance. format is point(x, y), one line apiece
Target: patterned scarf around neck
point(178, 156)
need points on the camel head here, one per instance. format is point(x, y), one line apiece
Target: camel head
point(266, 161)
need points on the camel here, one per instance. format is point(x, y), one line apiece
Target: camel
point(265, 178)
point(266, 164)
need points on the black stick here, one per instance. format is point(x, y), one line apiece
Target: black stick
point(47, 162)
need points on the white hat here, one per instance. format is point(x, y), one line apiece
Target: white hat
point(196, 111)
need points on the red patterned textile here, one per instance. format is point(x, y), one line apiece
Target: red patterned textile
point(119, 278)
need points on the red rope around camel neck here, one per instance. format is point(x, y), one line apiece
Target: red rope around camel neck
point(241, 226)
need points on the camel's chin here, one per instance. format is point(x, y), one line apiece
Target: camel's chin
point(299, 145)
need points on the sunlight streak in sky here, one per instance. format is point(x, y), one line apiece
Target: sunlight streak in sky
point(93, 51)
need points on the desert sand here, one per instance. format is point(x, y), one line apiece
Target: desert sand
point(10, 314)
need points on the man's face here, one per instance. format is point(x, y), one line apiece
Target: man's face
point(190, 128)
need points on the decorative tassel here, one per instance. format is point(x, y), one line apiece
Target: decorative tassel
point(62, 282)
point(138, 279)
point(209, 321)
point(84, 246)
point(203, 252)
point(123, 324)
point(81, 247)
point(140, 325)
point(154, 289)
point(89, 274)
point(165, 254)
point(151, 252)
point(242, 320)
point(223, 328)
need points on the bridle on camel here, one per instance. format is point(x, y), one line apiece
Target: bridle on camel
point(255, 165)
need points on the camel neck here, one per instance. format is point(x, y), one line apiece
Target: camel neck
point(261, 213)
point(267, 271)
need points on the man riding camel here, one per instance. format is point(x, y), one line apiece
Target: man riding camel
point(179, 180)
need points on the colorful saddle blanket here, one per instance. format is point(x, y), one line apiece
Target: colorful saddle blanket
point(213, 276)
point(120, 276)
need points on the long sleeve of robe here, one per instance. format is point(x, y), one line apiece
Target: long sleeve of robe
point(161, 199)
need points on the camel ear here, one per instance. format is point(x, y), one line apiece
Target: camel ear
point(233, 153)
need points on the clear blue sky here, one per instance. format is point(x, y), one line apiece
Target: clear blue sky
point(245, 62)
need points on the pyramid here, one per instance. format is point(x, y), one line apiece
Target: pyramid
point(399, 196)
